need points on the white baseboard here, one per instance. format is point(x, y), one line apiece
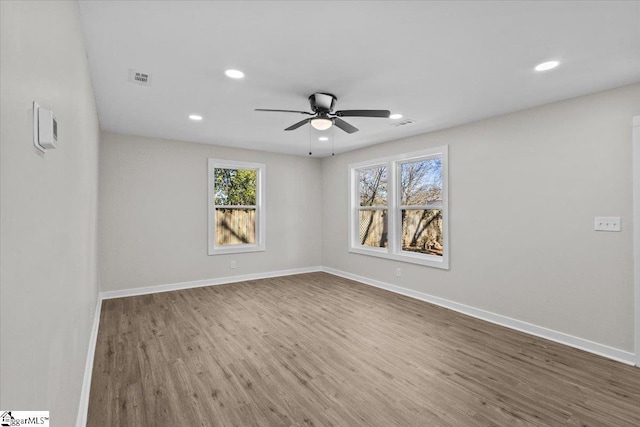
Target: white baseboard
point(81, 421)
point(528, 328)
point(207, 282)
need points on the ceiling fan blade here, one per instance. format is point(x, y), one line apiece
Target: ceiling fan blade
point(364, 113)
point(344, 125)
point(283, 111)
point(297, 125)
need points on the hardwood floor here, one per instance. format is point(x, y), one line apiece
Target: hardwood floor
point(316, 349)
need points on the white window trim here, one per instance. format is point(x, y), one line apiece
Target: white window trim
point(393, 251)
point(260, 207)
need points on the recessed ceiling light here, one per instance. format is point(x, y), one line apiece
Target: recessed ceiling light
point(234, 74)
point(323, 138)
point(395, 116)
point(545, 66)
point(195, 117)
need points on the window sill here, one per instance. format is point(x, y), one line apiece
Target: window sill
point(408, 257)
point(236, 249)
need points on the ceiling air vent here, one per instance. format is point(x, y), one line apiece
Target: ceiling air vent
point(139, 78)
point(404, 122)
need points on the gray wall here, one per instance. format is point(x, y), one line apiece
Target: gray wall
point(48, 210)
point(524, 190)
point(153, 213)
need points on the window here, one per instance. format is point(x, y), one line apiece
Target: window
point(236, 207)
point(372, 215)
point(399, 208)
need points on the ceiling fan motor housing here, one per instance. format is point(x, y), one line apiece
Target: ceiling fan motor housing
point(322, 102)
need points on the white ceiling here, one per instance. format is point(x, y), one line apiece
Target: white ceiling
point(438, 63)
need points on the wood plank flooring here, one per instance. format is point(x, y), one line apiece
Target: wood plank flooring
point(319, 350)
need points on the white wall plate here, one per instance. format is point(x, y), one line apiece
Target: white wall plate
point(606, 223)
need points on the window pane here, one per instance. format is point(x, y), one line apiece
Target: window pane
point(422, 231)
point(235, 226)
point(373, 227)
point(373, 186)
point(235, 187)
point(421, 182)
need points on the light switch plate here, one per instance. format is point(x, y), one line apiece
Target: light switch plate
point(607, 223)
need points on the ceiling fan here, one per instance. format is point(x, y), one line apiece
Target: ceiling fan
point(324, 117)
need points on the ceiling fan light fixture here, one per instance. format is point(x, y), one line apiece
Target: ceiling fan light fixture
point(323, 138)
point(323, 116)
point(395, 116)
point(321, 123)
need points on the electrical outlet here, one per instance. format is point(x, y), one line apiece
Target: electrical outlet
point(398, 272)
point(606, 223)
point(233, 264)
